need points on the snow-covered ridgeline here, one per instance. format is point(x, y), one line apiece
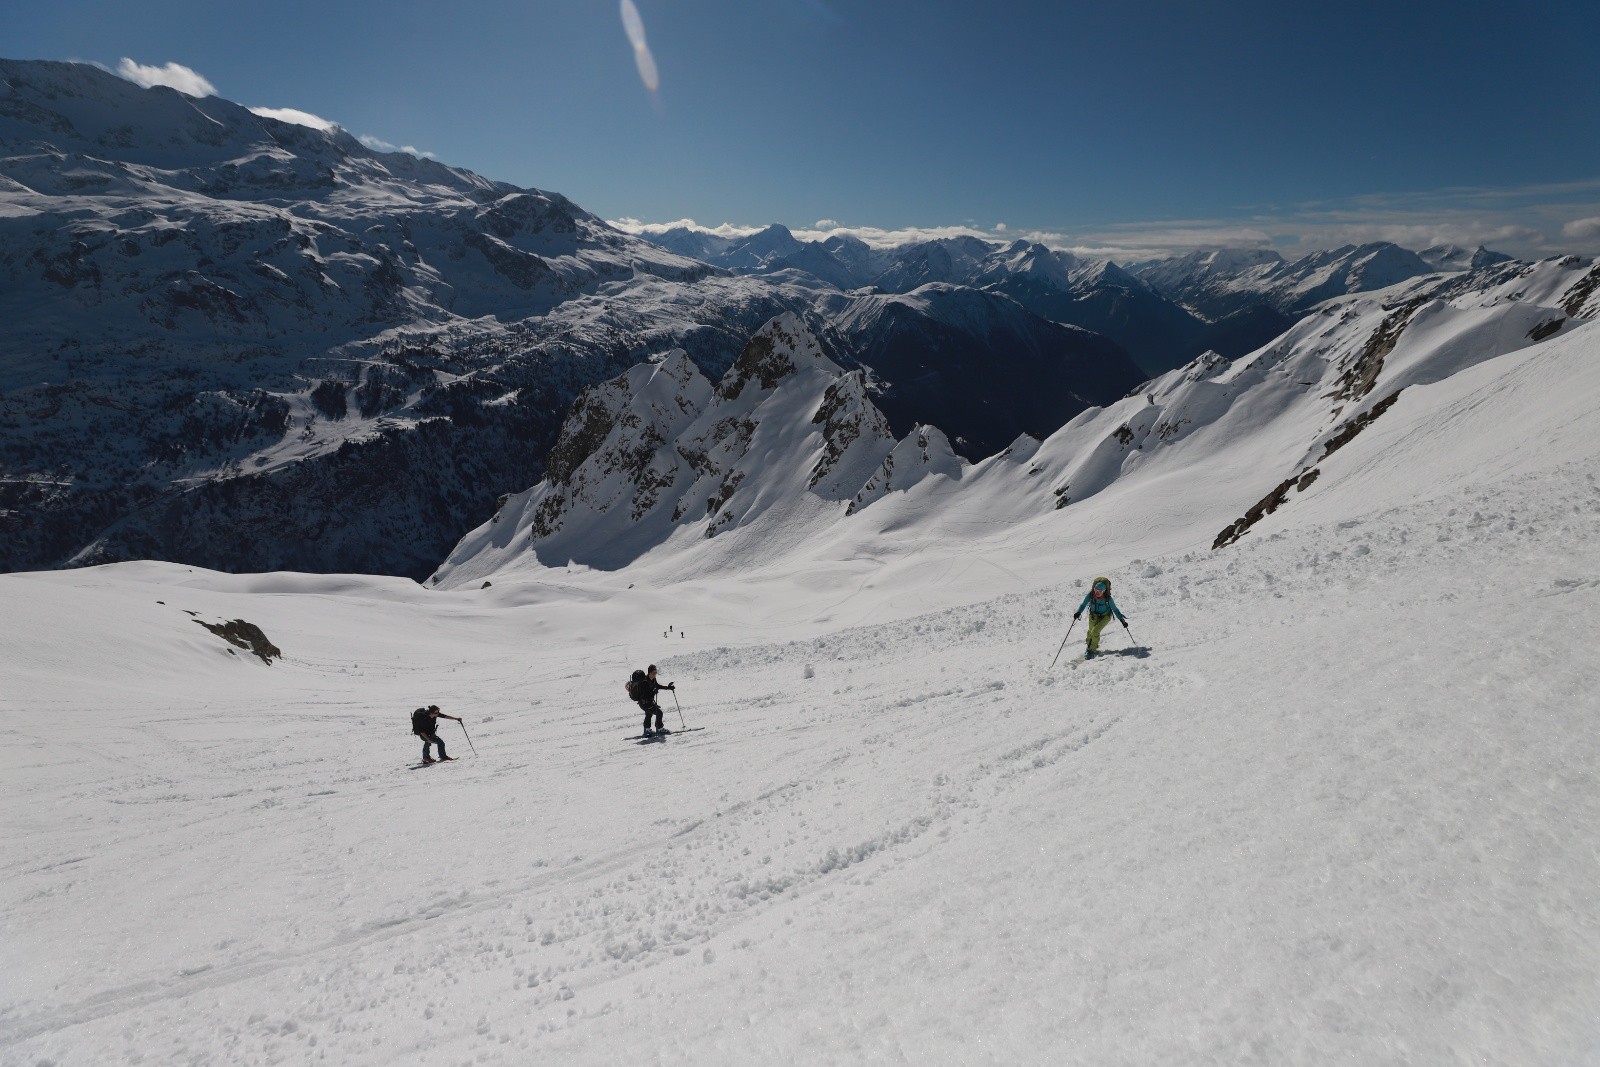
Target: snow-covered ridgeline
point(1215, 444)
point(1163, 312)
point(659, 455)
point(1208, 280)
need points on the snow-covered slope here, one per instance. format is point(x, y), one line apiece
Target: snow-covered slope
point(1217, 284)
point(1331, 799)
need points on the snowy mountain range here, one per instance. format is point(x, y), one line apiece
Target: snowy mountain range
point(1164, 312)
point(244, 343)
point(660, 472)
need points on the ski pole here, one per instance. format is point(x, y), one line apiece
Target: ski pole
point(467, 736)
point(1064, 642)
point(679, 706)
point(1129, 632)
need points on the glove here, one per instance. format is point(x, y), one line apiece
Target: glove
point(1124, 623)
point(672, 686)
point(1076, 615)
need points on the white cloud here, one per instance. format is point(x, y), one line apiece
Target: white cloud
point(1582, 229)
point(296, 116)
point(378, 144)
point(727, 229)
point(1527, 221)
point(872, 235)
point(173, 75)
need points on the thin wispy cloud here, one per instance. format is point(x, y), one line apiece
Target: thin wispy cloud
point(378, 144)
point(643, 58)
point(296, 116)
point(172, 75)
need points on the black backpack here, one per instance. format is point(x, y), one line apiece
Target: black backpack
point(421, 721)
point(637, 690)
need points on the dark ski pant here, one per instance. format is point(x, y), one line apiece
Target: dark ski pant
point(650, 708)
point(432, 739)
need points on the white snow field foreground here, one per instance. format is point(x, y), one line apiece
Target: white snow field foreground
point(1340, 806)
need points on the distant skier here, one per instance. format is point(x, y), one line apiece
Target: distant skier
point(425, 724)
point(642, 688)
point(1101, 609)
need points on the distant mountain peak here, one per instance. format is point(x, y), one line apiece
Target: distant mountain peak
point(784, 346)
point(1452, 257)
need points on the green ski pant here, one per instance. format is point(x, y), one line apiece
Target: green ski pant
point(1096, 624)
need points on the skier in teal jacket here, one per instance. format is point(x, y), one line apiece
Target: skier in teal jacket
point(1101, 608)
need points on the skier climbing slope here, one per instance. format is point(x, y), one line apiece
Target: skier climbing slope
point(1101, 608)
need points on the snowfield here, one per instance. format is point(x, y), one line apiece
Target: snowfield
point(1336, 802)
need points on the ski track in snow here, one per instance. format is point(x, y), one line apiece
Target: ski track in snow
point(1343, 808)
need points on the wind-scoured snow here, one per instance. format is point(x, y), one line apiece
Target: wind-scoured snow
point(1332, 798)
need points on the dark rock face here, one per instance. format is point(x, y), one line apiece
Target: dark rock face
point(1266, 506)
point(981, 367)
point(245, 635)
point(765, 361)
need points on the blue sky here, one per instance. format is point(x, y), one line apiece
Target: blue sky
point(1131, 125)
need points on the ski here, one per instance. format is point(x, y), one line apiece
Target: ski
point(1136, 652)
point(662, 734)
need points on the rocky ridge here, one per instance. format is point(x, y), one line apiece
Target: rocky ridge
point(659, 454)
point(1229, 442)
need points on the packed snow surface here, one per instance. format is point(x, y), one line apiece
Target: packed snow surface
point(1331, 799)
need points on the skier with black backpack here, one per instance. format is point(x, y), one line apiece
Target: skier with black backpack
point(642, 690)
point(425, 724)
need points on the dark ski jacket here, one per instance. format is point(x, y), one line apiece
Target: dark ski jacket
point(425, 722)
point(649, 687)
